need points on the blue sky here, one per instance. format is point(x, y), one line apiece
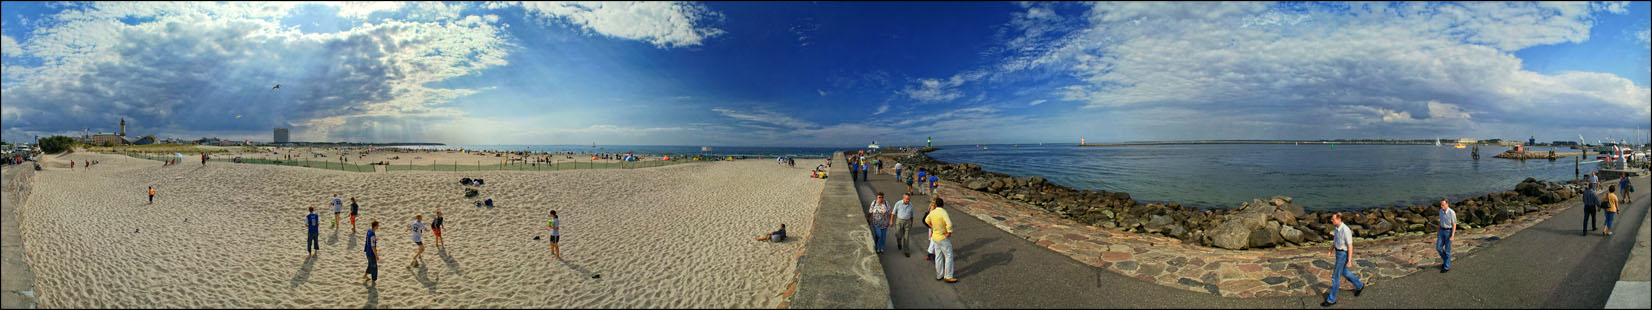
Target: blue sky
point(826, 73)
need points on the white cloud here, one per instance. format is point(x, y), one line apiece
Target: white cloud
point(1035, 102)
point(664, 24)
point(1382, 62)
point(941, 90)
point(766, 117)
point(822, 92)
point(9, 47)
point(881, 109)
point(190, 67)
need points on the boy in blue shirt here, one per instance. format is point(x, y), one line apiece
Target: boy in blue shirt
point(313, 222)
point(372, 247)
point(932, 182)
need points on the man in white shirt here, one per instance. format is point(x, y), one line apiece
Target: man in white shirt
point(1448, 233)
point(1343, 248)
point(903, 222)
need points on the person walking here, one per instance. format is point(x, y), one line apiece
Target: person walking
point(418, 238)
point(903, 223)
point(152, 195)
point(909, 182)
point(1623, 182)
point(941, 232)
point(1343, 248)
point(313, 223)
point(930, 250)
point(863, 174)
point(854, 171)
point(371, 244)
point(1594, 178)
point(1611, 206)
point(354, 209)
point(897, 170)
point(921, 177)
point(1591, 204)
point(878, 215)
point(933, 182)
point(555, 226)
point(436, 227)
point(1448, 234)
point(338, 208)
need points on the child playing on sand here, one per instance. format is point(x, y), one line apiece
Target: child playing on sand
point(338, 207)
point(372, 247)
point(555, 225)
point(313, 223)
point(418, 238)
point(436, 227)
point(353, 208)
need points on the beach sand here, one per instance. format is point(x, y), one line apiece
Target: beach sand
point(674, 236)
point(403, 156)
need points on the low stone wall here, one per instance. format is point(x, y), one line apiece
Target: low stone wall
point(838, 268)
point(1260, 223)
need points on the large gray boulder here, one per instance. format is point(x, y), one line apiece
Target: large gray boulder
point(1284, 217)
point(1266, 237)
point(977, 185)
point(1291, 234)
point(1230, 235)
point(1157, 223)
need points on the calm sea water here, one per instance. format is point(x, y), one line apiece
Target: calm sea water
point(652, 150)
point(1317, 176)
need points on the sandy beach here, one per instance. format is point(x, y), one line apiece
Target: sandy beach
point(232, 235)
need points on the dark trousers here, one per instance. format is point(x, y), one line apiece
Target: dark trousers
point(373, 267)
point(151, 198)
point(313, 243)
point(1589, 218)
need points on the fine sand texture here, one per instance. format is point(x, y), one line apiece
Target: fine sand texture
point(233, 235)
point(403, 156)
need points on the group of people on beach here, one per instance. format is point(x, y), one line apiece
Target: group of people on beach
point(312, 224)
point(416, 228)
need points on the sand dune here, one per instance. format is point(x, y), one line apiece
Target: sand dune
point(230, 235)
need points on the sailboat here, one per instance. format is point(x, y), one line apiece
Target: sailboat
point(1436, 141)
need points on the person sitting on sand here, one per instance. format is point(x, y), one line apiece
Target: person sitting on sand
point(776, 236)
point(418, 238)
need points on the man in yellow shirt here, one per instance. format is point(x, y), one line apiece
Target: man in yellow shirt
point(940, 226)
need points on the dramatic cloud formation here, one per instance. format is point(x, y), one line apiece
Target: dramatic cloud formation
point(1384, 68)
point(195, 68)
point(665, 24)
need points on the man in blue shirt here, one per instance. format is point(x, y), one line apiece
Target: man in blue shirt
point(921, 177)
point(313, 222)
point(372, 247)
point(932, 183)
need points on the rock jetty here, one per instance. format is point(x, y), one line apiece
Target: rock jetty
point(1260, 223)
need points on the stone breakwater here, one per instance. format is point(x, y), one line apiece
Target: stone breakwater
point(1259, 223)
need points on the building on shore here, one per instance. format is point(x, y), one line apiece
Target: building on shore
point(1467, 141)
point(281, 136)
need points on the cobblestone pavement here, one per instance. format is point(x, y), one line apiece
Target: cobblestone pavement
point(1291, 271)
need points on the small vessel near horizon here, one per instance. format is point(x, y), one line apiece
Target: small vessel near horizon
point(705, 149)
point(874, 145)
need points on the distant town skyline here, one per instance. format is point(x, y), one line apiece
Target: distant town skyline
point(827, 73)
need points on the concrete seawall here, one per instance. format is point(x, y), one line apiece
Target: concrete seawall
point(18, 279)
point(838, 268)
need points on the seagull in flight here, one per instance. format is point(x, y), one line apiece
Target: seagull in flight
point(277, 86)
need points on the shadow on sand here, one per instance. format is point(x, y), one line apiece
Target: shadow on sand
point(303, 272)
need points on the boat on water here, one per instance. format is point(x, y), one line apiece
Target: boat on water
point(705, 149)
point(874, 145)
point(1459, 146)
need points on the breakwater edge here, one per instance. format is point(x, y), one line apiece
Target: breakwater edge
point(1259, 223)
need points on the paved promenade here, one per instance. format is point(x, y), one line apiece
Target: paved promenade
point(1520, 268)
point(18, 280)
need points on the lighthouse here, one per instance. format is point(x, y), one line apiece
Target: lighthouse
point(123, 127)
point(1081, 140)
